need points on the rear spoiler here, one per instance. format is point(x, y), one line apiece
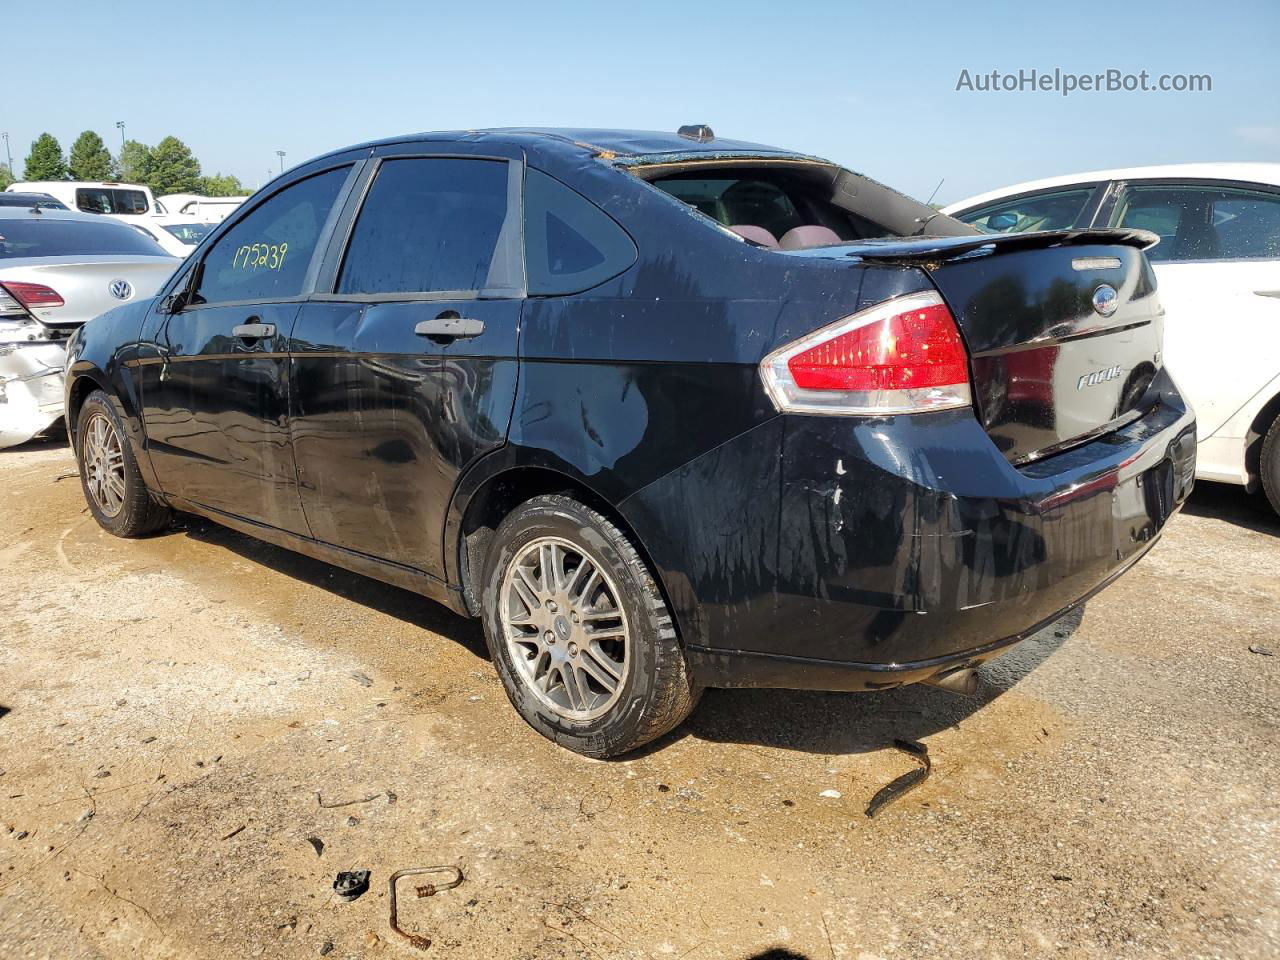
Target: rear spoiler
point(918, 249)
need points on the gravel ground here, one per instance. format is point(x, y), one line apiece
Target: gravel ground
point(181, 718)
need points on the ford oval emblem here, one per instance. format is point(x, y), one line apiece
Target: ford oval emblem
point(123, 290)
point(1106, 300)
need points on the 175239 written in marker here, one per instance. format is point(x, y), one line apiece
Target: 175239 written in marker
point(266, 256)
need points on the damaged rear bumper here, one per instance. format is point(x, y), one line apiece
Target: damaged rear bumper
point(31, 385)
point(880, 551)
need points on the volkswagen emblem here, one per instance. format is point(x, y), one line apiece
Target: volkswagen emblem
point(1106, 300)
point(123, 290)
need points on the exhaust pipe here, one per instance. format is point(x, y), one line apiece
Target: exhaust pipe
point(963, 681)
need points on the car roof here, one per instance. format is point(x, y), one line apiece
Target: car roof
point(24, 186)
point(575, 140)
point(1266, 173)
point(26, 213)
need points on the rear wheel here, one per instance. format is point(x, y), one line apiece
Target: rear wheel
point(580, 635)
point(109, 476)
point(1269, 465)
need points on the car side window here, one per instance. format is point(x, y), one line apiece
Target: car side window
point(433, 225)
point(265, 255)
point(570, 243)
point(1058, 210)
point(1203, 222)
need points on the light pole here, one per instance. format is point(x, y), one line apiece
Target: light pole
point(120, 127)
point(7, 155)
point(280, 154)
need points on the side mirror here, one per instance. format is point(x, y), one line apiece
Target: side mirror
point(1002, 222)
point(173, 303)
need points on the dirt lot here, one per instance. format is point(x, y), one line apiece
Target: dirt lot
point(171, 708)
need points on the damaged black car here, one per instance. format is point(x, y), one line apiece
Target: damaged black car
point(665, 411)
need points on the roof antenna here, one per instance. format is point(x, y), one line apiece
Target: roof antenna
point(698, 132)
point(935, 191)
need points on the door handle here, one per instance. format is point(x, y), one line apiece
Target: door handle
point(451, 326)
point(253, 330)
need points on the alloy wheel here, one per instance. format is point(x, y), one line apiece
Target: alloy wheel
point(565, 628)
point(103, 465)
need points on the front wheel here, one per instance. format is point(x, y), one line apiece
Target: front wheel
point(580, 634)
point(109, 476)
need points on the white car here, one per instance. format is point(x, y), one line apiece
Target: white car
point(178, 235)
point(206, 209)
point(124, 201)
point(1218, 269)
point(58, 270)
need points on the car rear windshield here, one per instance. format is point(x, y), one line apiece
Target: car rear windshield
point(29, 200)
point(111, 200)
point(38, 237)
point(190, 233)
point(774, 201)
point(794, 204)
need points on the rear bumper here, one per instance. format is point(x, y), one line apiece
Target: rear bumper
point(741, 668)
point(909, 546)
point(31, 381)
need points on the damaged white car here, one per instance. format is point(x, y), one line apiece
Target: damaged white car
point(59, 269)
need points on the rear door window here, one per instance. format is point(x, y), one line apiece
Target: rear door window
point(265, 255)
point(111, 200)
point(1203, 222)
point(1057, 210)
point(434, 225)
point(570, 243)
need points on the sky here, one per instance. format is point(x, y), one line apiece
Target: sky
point(872, 86)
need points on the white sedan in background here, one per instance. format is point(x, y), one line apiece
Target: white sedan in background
point(178, 235)
point(58, 270)
point(1218, 269)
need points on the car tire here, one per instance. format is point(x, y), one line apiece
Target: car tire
point(558, 643)
point(113, 487)
point(1269, 465)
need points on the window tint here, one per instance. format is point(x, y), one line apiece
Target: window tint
point(1204, 223)
point(431, 225)
point(1042, 211)
point(570, 243)
point(41, 237)
point(266, 254)
point(111, 200)
point(41, 200)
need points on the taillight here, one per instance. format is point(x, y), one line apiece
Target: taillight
point(33, 295)
point(901, 356)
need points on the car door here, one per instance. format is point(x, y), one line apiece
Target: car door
point(215, 393)
point(1218, 268)
point(405, 369)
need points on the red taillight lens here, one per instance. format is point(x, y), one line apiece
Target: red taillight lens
point(901, 356)
point(33, 295)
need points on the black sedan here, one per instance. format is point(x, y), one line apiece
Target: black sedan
point(665, 411)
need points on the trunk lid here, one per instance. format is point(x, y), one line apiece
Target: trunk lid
point(1064, 329)
point(84, 283)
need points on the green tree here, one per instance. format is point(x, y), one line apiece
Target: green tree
point(90, 159)
point(135, 162)
point(45, 162)
point(222, 185)
point(6, 175)
point(174, 168)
